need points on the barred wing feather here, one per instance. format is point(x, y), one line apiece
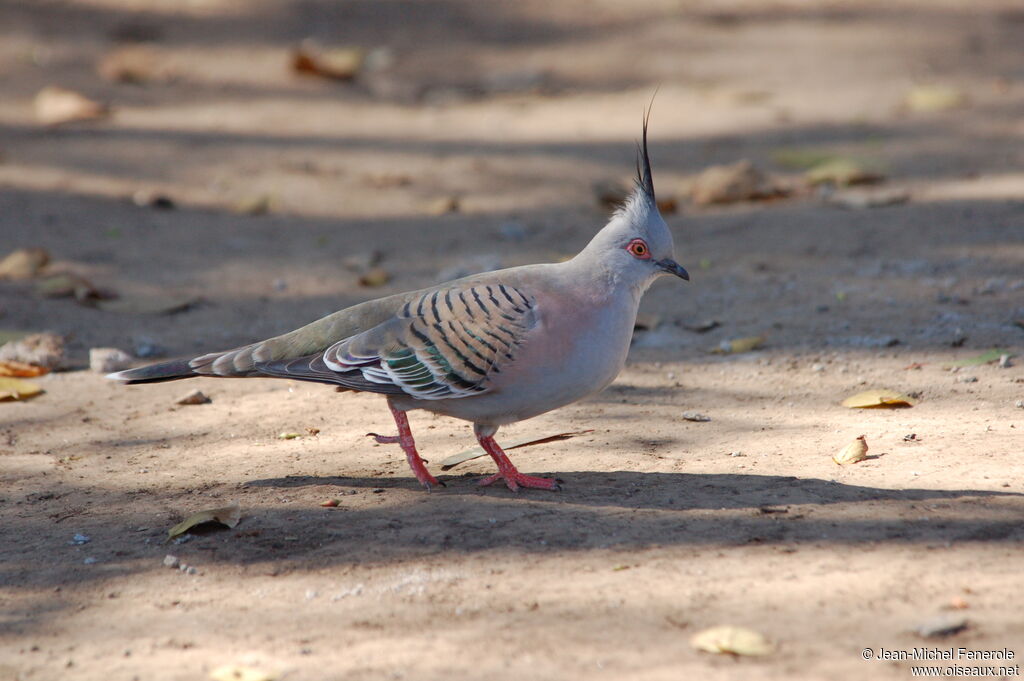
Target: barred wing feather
point(444, 344)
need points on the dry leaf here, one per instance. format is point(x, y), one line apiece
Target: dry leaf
point(476, 452)
point(740, 181)
point(23, 263)
point(288, 436)
point(738, 345)
point(227, 515)
point(843, 172)
point(443, 205)
point(336, 64)
point(852, 453)
point(732, 640)
point(257, 204)
point(858, 199)
point(194, 397)
point(377, 276)
point(878, 398)
point(800, 159)
point(931, 98)
point(155, 304)
point(135, 64)
point(695, 416)
point(17, 389)
point(231, 672)
point(56, 105)
point(992, 355)
point(67, 284)
point(21, 369)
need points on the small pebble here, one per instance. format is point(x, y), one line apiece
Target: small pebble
point(1019, 404)
point(89, 561)
point(695, 416)
point(943, 625)
point(736, 454)
point(171, 561)
point(80, 539)
point(191, 570)
point(194, 397)
point(1004, 362)
point(966, 379)
point(106, 360)
point(817, 368)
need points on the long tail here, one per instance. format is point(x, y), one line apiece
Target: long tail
point(156, 373)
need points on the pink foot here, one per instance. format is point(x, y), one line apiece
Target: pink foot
point(516, 480)
point(507, 472)
point(404, 438)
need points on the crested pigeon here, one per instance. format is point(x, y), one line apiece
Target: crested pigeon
point(492, 348)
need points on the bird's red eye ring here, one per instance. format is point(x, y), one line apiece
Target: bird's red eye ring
point(638, 249)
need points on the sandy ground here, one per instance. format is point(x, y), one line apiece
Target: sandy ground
point(665, 526)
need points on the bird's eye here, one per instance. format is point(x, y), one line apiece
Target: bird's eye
point(638, 249)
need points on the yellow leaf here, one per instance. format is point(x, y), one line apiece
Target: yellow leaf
point(852, 453)
point(56, 105)
point(21, 369)
point(930, 98)
point(876, 399)
point(23, 263)
point(232, 672)
point(732, 640)
point(16, 389)
point(738, 345)
point(227, 515)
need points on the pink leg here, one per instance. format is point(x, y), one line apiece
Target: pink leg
point(507, 472)
point(404, 438)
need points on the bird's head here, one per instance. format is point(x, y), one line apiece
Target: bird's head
point(636, 244)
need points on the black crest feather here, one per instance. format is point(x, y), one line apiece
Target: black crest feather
point(644, 181)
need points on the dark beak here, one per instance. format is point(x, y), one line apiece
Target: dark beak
point(672, 267)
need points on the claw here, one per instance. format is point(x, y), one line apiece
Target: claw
point(517, 480)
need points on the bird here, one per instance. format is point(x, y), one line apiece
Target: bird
point(493, 349)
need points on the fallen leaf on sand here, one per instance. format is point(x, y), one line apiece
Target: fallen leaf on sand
point(23, 263)
point(289, 436)
point(852, 453)
point(843, 172)
point(859, 199)
point(377, 276)
point(932, 98)
point(732, 640)
point(136, 64)
point(56, 105)
point(231, 672)
point(66, 284)
point(21, 369)
point(992, 355)
point(800, 159)
point(476, 452)
point(154, 304)
point(336, 64)
point(257, 204)
point(193, 397)
point(443, 205)
point(738, 345)
point(876, 399)
point(740, 181)
point(17, 389)
point(695, 416)
point(227, 515)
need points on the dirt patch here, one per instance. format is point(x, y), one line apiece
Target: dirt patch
point(666, 526)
